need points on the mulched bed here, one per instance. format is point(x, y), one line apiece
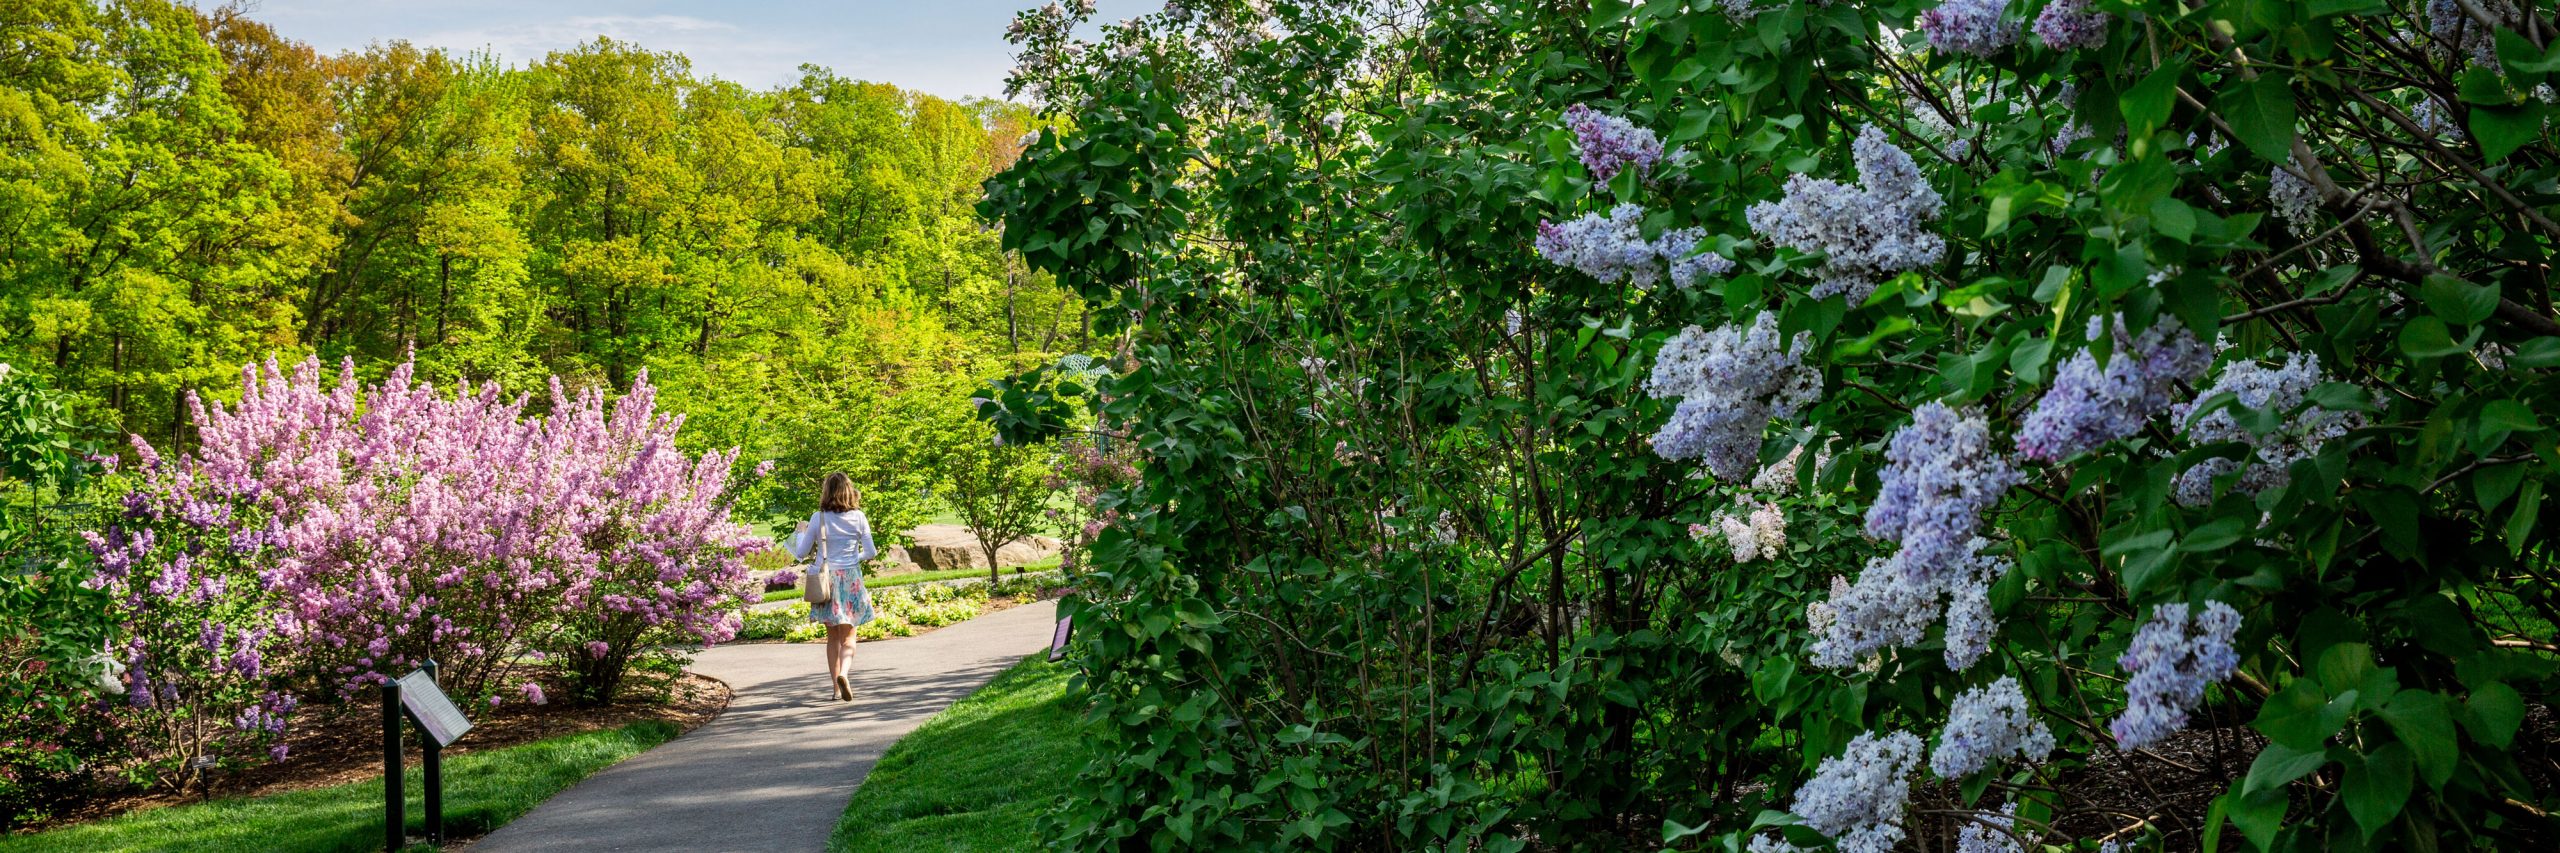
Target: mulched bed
point(335, 746)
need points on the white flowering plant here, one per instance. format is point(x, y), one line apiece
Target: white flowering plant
point(2173, 374)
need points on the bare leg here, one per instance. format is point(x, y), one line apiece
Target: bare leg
point(839, 649)
point(834, 653)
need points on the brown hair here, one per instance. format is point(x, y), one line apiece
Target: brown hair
point(837, 494)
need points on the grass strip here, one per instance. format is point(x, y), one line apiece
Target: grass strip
point(976, 776)
point(482, 791)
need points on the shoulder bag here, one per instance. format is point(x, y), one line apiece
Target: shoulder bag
point(814, 585)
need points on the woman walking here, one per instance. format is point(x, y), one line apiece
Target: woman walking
point(841, 536)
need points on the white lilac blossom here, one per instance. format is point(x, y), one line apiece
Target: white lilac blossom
point(1987, 725)
point(1864, 232)
point(1972, 27)
point(1511, 321)
point(2493, 356)
point(1609, 144)
point(2295, 198)
point(1857, 797)
point(2069, 25)
point(2167, 667)
point(2256, 386)
point(2090, 405)
point(1730, 383)
point(1753, 530)
point(1941, 473)
point(1780, 477)
point(1991, 832)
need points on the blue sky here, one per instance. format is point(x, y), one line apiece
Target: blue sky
point(952, 48)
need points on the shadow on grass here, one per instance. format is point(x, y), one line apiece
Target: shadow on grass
point(976, 776)
point(482, 791)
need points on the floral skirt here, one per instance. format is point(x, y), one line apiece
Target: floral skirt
point(852, 604)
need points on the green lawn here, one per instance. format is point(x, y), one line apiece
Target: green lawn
point(974, 777)
point(482, 791)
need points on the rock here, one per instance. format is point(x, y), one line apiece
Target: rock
point(893, 560)
point(945, 557)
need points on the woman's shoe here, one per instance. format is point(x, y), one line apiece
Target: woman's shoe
point(844, 690)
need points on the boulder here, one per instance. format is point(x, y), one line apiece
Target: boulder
point(945, 557)
point(893, 560)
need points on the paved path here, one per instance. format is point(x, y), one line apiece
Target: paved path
point(774, 771)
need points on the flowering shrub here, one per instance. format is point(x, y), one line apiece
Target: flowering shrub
point(2162, 404)
point(338, 535)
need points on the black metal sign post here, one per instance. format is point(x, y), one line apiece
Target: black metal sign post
point(395, 824)
point(416, 697)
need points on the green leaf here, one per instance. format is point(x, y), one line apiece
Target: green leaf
point(2375, 789)
point(2427, 338)
point(2146, 106)
point(2258, 817)
point(2216, 535)
point(2496, 711)
point(2502, 130)
point(2344, 666)
point(2301, 716)
point(2528, 508)
point(2495, 483)
point(2539, 352)
point(2420, 719)
point(2333, 8)
point(2173, 219)
point(2459, 302)
point(2261, 112)
point(2278, 765)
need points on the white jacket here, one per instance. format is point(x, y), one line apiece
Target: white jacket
point(847, 534)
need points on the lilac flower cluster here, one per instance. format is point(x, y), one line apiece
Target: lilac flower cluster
point(2454, 31)
point(1991, 832)
point(1609, 144)
point(1890, 608)
point(1858, 797)
point(2090, 405)
point(1864, 232)
point(2280, 389)
point(1972, 27)
point(1753, 530)
point(1730, 384)
point(2295, 198)
point(2167, 667)
point(1989, 724)
point(1941, 473)
point(1780, 477)
point(2069, 25)
point(2436, 118)
point(1612, 248)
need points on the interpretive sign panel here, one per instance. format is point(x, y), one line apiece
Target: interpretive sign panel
point(427, 704)
point(1058, 641)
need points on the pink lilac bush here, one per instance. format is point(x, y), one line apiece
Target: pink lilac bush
point(341, 534)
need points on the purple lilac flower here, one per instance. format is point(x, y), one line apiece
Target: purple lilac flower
point(2295, 198)
point(1989, 724)
point(2069, 25)
point(1730, 383)
point(1612, 248)
point(2272, 455)
point(1864, 232)
point(1858, 797)
point(2167, 667)
point(1889, 607)
point(1941, 473)
point(532, 693)
point(1990, 832)
point(2436, 117)
point(2089, 405)
point(1971, 27)
point(1609, 144)
point(598, 648)
point(2453, 30)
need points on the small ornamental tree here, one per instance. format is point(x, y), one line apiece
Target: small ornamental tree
point(1770, 424)
point(1000, 490)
